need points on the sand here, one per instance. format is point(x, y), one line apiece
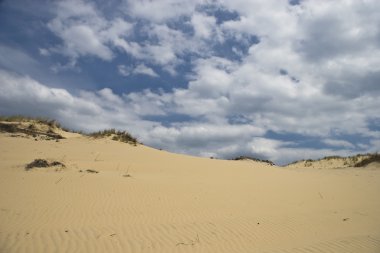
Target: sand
point(147, 200)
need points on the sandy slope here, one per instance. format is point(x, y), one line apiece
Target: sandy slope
point(176, 203)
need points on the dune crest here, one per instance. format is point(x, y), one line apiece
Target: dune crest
point(337, 162)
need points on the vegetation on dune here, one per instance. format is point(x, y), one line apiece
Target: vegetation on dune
point(116, 135)
point(8, 128)
point(331, 157)
point(359, 160)
point(41, 120)
point(372, 158)
point(32, 129)
point(239, 158)
point(41, 163)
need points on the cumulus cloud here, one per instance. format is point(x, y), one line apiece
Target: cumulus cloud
point(79, 37)
point(85, 31)
point(338, 143)
point(44, 51)
point(161, 10)
point(203, 25)
point(140, 69)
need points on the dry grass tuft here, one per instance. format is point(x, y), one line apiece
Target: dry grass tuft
point(372, 158)
point(41, 163)
point(116, 135)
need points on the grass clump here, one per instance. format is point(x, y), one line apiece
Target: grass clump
point(372, 158)
point(14, 118)
point(20, 118)
point(41, 163)
point(16, 124)
point(239, 158)
point(116, 135)
point(331, 157)
point(8, 128)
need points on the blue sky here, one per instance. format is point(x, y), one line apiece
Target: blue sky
point(279, 80)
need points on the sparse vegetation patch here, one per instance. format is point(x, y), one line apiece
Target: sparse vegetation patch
point(253, 159)
point(358, 160)
point(41, 163)
point(31, 130)
point(8, 128)
point(116, 135)
point(41, 120)
point(331, 157)
point(372, 158)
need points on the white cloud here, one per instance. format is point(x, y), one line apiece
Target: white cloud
point(82, 40)
point(203, 25)
point(205, 139)
point(212, 78)
point(144, 70)
point(44, 51)
point(264, 146)
point(85, 31)
point(160, 10)
point(124, 70)
point(338, 143)
point(140, 69)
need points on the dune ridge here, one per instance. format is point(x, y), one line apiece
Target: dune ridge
point(175, 203)
point(337, 162)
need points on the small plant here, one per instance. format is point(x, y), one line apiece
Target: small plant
point(55, 163)
point(41, 163)
point(92, 171)
point(37, 163)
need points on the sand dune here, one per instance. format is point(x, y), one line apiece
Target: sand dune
point(147, 200)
